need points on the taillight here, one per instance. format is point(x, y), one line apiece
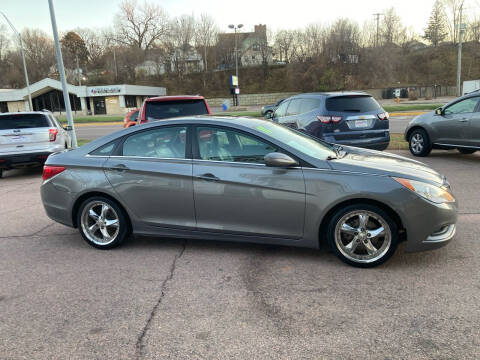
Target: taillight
point(383, 116)
point(52, 134)
point(51, 171)
point(328, 119)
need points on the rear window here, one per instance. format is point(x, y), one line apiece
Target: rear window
point(167, 109)
point(359, 104)
point(23, 121)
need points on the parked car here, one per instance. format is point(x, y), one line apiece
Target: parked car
point(268, 110)
point(28, 138)
point(131, 118)
point(165, 107)
point(348, 118)
point(455, 125)
point(251, 180)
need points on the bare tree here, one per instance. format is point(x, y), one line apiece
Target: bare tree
point(283, 43)
point(39, 52)
point(97, 42)
point(452, 8)
point(391, 27)
point(205, 36)
point(4, 42)
point(140, 26)
point(180, 41)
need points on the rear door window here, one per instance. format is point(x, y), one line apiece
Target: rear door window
point(175, 108)
point(24, 121)
point(356, 104)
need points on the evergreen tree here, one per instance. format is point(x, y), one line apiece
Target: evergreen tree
point(436, 30)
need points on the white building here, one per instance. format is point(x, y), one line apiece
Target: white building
point(96, 100)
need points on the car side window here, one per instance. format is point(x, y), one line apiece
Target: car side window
point(220, 144)
point(462, 107)
point(165, 142)
point(309, 105)
point(282, 109)
point(105, 150)
point(294, 107)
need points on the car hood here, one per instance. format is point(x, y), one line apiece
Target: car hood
point(384, 163)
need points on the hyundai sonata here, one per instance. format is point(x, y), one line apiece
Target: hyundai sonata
point(248, 180)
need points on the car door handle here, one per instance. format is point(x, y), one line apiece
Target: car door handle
point(118, 167)
point(463, 120)
point(208, 177)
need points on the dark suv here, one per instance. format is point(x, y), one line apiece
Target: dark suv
point(348, 118)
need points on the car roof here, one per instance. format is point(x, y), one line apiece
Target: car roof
point(175, 97)
point(25, 112)
point(331, 94)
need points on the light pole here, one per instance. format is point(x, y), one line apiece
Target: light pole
point(23, 59)
point(61, 71)
point(461, 29)
point(239, 26)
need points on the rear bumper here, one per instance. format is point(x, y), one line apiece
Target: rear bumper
point(23, 160)
point(361, 140)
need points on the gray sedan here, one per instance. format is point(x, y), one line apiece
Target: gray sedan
point(248, 180)
point(455, 125)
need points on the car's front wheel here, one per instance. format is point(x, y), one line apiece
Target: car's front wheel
point(362, 235)
point(419, 143)
point(102, 223)
point(467, 151)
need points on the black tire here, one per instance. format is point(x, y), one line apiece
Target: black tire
point(1, 173)
point(118, 212)
point(419, 135)
point(383, 147)
point(391, 233)
point(466, 151)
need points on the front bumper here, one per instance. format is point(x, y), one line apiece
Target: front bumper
point(430, 226)
point(23, 160)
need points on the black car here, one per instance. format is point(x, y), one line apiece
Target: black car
point(268, 110)
point(348, 118)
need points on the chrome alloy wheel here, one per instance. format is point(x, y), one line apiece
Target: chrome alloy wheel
point(417, 143)
point(363, 236)
point(100, 223)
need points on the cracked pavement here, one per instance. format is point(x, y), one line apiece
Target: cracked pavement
point(177, 299)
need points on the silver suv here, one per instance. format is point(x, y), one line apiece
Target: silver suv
point(28, 138)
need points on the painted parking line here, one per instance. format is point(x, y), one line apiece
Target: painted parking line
point(408, 113)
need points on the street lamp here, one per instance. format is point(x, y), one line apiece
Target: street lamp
point(239, 26)
point(23, 59)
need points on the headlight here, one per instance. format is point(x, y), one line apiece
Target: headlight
point(432, 193)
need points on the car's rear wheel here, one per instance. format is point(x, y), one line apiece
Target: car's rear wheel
point(102, 223)
point(466, 151)
point(419, 143)
point(362, 235)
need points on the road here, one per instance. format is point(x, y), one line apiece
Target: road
point(177, 299)
point(91, 131)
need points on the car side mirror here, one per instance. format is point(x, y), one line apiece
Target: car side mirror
point(276, 159)
point(439, 111)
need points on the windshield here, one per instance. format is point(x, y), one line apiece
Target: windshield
point(175, 108)
point(297, 140)
point(23, 121)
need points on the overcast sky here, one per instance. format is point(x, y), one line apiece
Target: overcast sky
point(276, 14)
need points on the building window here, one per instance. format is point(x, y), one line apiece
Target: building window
point(256, 47)
point(130, 101)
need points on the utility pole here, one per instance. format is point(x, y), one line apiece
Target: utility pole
point(23, 60)
point(377, 19)
point(115, 63)
point(61, 71)
point(78, 73)
point(461, 29)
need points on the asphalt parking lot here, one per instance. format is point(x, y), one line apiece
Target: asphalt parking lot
point(177, 299)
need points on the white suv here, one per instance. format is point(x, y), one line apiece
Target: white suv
point(28, 138)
